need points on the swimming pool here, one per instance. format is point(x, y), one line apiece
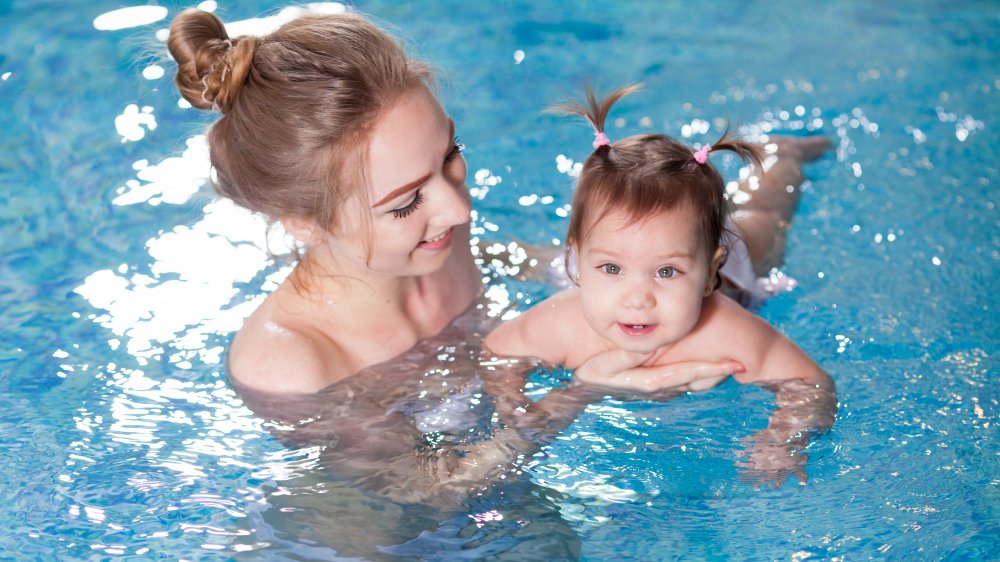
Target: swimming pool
point(122, 281)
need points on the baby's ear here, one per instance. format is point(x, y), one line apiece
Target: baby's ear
point(301, 228)
point(572, 264)
point(718, 258)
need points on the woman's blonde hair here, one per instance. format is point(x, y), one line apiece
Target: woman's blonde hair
point(298, 106)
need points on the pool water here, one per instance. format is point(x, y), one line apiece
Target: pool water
point(122, 280)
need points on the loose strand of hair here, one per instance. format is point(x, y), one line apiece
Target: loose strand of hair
point(596, 110)
point(747, 151)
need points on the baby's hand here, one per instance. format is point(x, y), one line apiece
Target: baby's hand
point(622, 370)
point(769, 459)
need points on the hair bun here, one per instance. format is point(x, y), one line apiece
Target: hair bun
point(211, 67)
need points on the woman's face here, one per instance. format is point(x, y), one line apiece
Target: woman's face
point(416, 194)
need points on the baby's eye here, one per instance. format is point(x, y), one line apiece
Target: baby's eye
point(666, 272)
point(611, 269)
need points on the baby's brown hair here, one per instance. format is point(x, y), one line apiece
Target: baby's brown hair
point(644, 175)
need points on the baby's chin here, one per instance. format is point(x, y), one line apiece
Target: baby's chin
point(657, 348)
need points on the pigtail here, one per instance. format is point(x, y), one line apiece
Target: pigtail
point(748, 152)
point(596, 112)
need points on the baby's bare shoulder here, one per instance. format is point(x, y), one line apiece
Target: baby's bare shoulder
point(541, 331)
point(722, 315)
point(766, 353)
point(730, 331)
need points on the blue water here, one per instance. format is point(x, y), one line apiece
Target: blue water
point(121, 281)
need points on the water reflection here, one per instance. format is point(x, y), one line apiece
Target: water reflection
point(124, 18)
point(132, 120)
point(192, 291)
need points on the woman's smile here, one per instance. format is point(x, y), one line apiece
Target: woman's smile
point(439, 242)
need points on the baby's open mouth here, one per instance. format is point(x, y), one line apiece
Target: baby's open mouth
point(637, 329)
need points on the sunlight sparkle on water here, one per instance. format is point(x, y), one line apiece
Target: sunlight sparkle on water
point(567, 166)
point(132, 120)
point(153, 72)
point(190, 292)
point(174, 180)
point(267, 24)
point(124, 18)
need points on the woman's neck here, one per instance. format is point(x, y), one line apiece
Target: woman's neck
point(363, 300)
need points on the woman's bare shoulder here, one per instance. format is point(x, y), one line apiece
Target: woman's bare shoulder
point(282, 355)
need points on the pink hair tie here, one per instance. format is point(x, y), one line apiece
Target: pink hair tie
point(600, 139)
point(702, 155)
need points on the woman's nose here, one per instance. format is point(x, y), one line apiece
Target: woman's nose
point(453, 205)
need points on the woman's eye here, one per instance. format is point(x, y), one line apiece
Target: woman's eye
point(611, 269)
point(404, 211)
point(666, 272)
point(456, 148)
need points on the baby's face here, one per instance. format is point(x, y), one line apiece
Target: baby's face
point(642, 283)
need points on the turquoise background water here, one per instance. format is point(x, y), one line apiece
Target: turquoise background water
point(121, 279)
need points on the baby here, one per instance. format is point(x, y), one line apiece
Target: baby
point(647, 239)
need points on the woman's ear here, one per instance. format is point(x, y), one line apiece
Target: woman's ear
point(718, 259)
point(302, 229)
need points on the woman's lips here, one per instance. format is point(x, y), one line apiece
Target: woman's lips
point(636, 329)
point(439, 242)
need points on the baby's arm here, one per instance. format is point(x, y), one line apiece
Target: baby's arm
point(623, 370)
point(765, 352)
point(556, 331)
point(805, 397)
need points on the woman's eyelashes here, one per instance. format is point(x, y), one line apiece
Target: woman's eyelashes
point(404, 211)
point(456, 148)
point(401, 213)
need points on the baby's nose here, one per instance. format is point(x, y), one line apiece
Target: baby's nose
point(639, 297)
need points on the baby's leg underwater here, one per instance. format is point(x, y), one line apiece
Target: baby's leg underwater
point(772, 196)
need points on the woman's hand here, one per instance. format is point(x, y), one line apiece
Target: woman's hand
point(622, 370)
